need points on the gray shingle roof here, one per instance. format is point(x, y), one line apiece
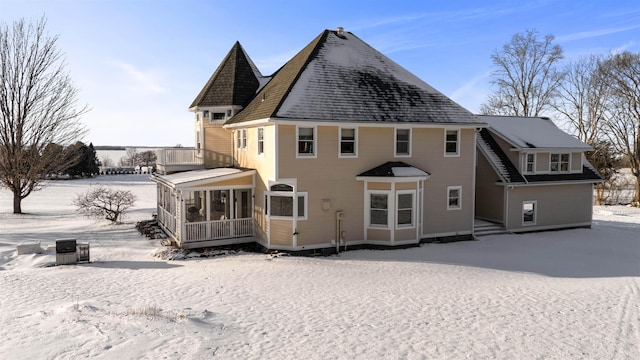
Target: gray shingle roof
point(234, 82)
point(341, 78)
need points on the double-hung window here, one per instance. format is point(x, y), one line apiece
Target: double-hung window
point(403, 142)
point(348, 142)
point(241, 140)
point(451, 143)
point(260, 141)
point(530, 163)
point(306, 142)
point(454, 197)
point(379, 210)
point(405, 205)
point(559, 162)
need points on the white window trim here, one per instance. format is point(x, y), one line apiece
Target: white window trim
point(355, 142)
point(560, 163)
point(244, 139)
point(459, 188)
point(535, 213)
point(457, 153)
point(395, 142)
point(390, 207)
point(315, 143)
point(241, 139)
point(535, 159)
point(259, 141)
point(293, 184)
point(413, 209)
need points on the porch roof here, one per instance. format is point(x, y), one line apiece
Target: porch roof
point(199, 177)
point(395, 169)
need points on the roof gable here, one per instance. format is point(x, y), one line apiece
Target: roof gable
point(235, 81)
point(532, 133)
point(341, 78)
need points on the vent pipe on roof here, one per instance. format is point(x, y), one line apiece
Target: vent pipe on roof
point(340, 31)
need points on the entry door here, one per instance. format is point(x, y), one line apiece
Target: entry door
point(243, 203)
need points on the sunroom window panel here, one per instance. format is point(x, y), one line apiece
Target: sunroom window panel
point(379, 209)
point(405, 209)
point(281, 206)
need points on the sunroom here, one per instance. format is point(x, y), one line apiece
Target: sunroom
point(207, 207)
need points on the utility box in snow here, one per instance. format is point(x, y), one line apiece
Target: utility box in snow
point(69, 252)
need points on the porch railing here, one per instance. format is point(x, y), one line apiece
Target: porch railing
point(166, 219)
point(178, 156)
point(218, 229)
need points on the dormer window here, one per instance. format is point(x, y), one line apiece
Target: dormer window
point(205, 114)
point(218, 116)
point(530, 163)
point(559, 163)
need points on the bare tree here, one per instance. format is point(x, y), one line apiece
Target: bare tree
point(147, 157)
point(103, 201)
point(130, 158)
point(584, 95)
point(37, 108)
point(622, 73)
point(525, 78)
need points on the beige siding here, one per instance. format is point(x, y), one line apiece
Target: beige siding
point(489, 196)
point(265, 166)
point(445, 171)
point(557, 205)
point(542, 162)
point(576, 162)
point(379, 235)
point(240, 181)
point(281, 232)
point(405, 234)
point(329, 177)
point(217, 146)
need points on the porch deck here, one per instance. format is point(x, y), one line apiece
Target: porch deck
point(178, 159)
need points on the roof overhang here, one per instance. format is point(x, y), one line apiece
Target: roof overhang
point(195, 178)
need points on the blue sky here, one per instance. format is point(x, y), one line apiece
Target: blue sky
point(140, 63)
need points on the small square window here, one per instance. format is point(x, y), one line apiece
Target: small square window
point(559, 162)
point(205, 113)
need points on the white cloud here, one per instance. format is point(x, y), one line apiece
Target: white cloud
point(145, 81)
point(594, 33)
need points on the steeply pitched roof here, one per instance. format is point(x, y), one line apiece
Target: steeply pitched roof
point(395, 169)
point(341, 78)
point(498, 159)
point(532, 132)
point(235, 81)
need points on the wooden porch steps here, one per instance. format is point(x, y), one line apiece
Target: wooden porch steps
point(485, 228)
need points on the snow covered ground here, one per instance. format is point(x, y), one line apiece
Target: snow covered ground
point(571, 294)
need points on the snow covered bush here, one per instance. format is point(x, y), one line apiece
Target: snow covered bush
point(105, 201)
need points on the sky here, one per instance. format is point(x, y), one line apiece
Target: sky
point(138, 64)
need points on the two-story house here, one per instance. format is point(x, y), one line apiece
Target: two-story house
point(532, 176)
point(340, 147)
